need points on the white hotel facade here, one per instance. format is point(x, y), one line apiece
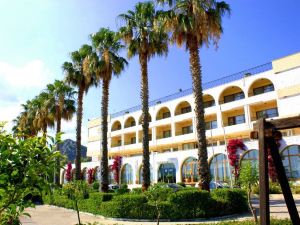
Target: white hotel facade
point(232, 105)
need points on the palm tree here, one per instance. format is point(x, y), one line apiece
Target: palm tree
point(144, 39)
point(78, 77)
point(41, 112)
point(61, 100)
point(196, 23)
point(104, 64)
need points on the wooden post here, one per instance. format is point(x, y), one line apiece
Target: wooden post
point(283, 181)
point(264, 204)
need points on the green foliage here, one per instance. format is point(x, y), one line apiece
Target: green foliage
point(25, 167)
point(230, 201)
point(123, 189)
point(250, 222)
point(191, 203)
point(248, 176)
point(274, 188)
point(96, 185)
point(181, 184)
point(136, 191)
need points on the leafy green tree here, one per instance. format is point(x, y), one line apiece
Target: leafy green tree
point(196, 23)
point(76, 190)
point(248, 179)
point(144, 39)
point(62, 106)
point(157, 194)
point(106, 63)
point(25, 168)
point(76, 76)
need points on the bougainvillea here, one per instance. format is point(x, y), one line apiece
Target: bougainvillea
point(232, 149)
point(69, 172)
point(271, 166)
point(116, 166)
point(91, 175)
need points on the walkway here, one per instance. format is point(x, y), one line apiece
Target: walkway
point(51, 215)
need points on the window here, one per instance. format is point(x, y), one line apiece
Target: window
point(236, 120)
point(167, 173)
point(132, 123)
point(127, 174)
point(188, 146)
point(267, 113)
point(291, 161)
point(119, 143)
point(209, 104)
point(132, 140)
point(186, 109)
point(263, 89)
point(189, 170)
point(211, 125)
point(166, 133)
point(166, 115)
point(234, 97)
point(187, 130)
point(219, 169)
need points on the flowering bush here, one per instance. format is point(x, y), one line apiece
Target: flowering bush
point(69, 172)
point(232, 149)
point(116, 166)
point(91, 175)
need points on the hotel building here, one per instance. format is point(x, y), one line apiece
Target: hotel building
point(232, 104)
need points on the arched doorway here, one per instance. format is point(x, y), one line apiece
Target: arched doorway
point(291, 161)
point(219, 168)
point(167, 173)
point(189, 172)
point(250, 156)
point(126, 174)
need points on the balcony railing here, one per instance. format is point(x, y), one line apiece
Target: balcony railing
point(162, 137)
point(211, 84)
point(183, 133)
point(116, 145)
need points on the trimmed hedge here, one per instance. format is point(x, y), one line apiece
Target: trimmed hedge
point(187, 203)
point(230, 201)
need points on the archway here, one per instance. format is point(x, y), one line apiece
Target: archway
point(189, 172)
point(167, 173)
point(219, 169)
point(127, 174)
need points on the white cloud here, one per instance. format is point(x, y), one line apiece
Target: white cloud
point(34, 74)
point(18, 84)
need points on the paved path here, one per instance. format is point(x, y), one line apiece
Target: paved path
point(51, 215)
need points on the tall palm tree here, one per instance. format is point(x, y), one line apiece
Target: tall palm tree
point(76, 76)
point(145, 39)
point(196, 23)
point(61, 100)
point(104, 64)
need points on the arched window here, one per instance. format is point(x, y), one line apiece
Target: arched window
point(130, 122)
point(111, 179)
point(182, 108)
point(167, 173)
point(250, 156)
point(189, 170)
point(126, 174)
point(219, 169)
point(64, 179)
point(116, 126)
point(97, 173)
point(231, 94)
point(141, 174)
point(163, 113)
point(291, 161)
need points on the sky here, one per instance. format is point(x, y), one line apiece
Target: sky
point(37, 36)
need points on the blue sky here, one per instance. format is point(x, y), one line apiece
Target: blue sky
point(38, 35)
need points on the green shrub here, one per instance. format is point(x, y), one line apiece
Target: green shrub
point(275, 188)
point(136, 191)
point(191, 203)
point(122, 190)
point(96, 185)
point(107, 197)
point(230, 201)
point(127, 206)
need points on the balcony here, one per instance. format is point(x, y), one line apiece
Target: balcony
point(263, 110)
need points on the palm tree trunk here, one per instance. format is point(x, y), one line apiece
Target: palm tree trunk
point(195, 68)
point(104, 114)
point(78, 134)
point(145, 125)
point(58, 130)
